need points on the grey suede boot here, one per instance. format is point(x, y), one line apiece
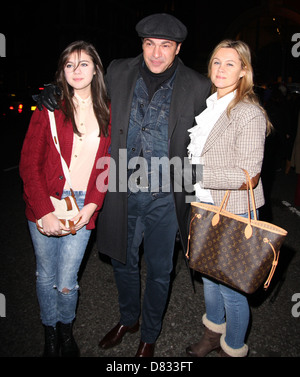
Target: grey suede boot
point(227, 351)
point(210, 340)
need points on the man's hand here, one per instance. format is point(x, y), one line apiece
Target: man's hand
point(47, 97)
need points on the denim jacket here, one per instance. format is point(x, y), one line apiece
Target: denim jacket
point(147, 140)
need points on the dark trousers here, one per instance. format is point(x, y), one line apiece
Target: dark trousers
point(154, 221)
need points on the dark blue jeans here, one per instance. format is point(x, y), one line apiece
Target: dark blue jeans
point(152, 219)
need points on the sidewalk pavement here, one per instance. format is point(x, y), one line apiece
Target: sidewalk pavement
point(275, 315)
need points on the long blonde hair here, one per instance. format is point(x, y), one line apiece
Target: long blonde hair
point(244, 88)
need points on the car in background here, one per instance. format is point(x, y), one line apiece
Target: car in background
point(15, 112)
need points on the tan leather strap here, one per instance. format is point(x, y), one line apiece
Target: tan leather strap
point(198, 216)
point(274, 264)
point(250, 188)
point(68, 203)
point(72, 227)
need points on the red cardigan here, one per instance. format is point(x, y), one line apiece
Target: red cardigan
point(41, 170)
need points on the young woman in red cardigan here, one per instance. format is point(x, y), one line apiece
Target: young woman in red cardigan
point(83, 128)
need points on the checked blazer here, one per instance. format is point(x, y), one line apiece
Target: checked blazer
point(235, 143)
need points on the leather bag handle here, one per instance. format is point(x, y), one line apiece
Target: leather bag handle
point(223, 205)
point(56, 142)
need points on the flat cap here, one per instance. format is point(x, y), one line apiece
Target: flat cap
point(162, 26)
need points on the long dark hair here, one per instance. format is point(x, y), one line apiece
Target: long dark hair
point(98, 87)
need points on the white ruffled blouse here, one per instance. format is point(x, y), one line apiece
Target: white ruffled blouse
point(205, 122)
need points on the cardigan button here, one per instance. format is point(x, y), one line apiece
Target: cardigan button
point(61, 177)
point(121, 132)
point(57, 193)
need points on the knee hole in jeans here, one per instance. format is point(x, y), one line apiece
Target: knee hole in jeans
point(67, 291)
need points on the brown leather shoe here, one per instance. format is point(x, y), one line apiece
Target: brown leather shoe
point(145, 350)
point(115, 335)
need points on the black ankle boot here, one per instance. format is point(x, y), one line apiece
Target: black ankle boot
point(51, 342)
point(67, 342)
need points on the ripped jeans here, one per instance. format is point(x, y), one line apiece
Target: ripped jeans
point(58, 260)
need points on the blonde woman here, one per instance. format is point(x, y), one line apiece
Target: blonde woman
point(229, 137)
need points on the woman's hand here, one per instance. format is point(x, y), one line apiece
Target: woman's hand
point(52, 226)
point(84, 215)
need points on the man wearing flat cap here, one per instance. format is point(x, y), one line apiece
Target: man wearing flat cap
point(154, 100)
